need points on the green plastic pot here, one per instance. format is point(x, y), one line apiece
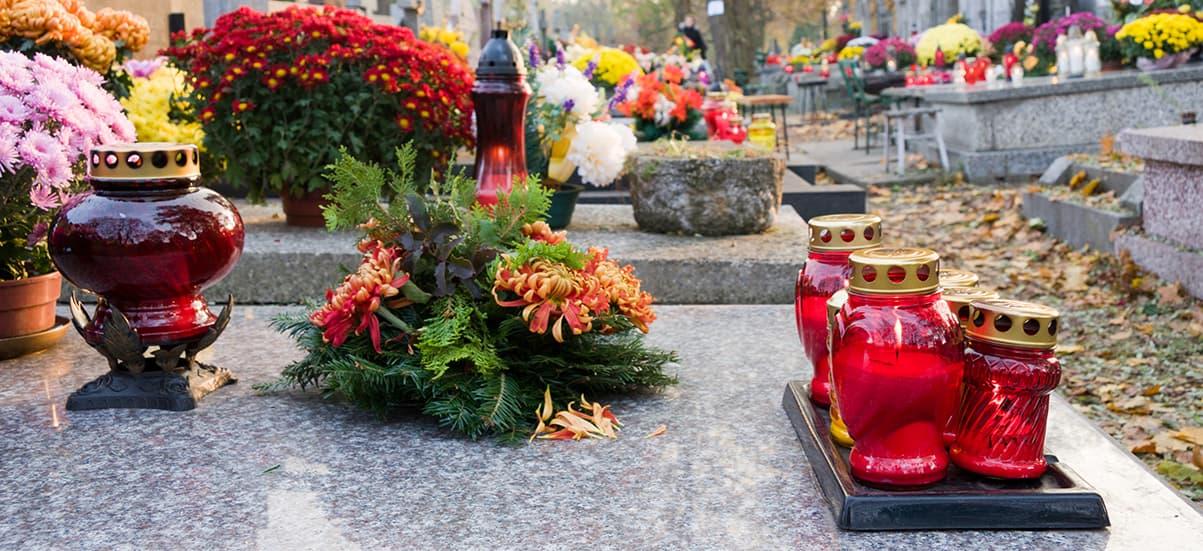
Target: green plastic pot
point(563, 203)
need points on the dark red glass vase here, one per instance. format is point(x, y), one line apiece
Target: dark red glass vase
point(896, 365)
point(499, 95)
point(1004, 408)
point(832, 238)
point(148, 246)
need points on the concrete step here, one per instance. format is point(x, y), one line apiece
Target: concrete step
point(285, 265)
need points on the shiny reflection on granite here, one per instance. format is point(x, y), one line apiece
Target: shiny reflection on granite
point(293, 470)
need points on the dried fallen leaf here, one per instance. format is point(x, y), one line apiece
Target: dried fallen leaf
point(658, 431)
point(1152, 390)
point(1196, 457)
point(1075, 277)
point(1170, 295)
point(1069, 348)
point(1121, 335)
point(1168, 442)
point(1194, 435)
point(1139, 405)
point(1148, 446)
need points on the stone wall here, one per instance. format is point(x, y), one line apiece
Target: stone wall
point(1171, 243)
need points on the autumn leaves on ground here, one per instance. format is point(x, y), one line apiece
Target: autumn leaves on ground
point(1131, 346)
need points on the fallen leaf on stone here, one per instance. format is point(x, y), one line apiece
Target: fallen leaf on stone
point(658, 431)
point(1194, 435)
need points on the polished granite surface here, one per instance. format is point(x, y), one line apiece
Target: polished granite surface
point(295, 472)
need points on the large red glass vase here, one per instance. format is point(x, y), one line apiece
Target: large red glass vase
point(499, 95)
point(896, 365)
point(1010, 370)
point(832, 238)
point(148, 245)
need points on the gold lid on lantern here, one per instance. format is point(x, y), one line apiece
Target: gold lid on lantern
point(952, 277)
point(130, 162)
point(844, 232)
point(902, 271)
point(1013, 323)
point(959, 298)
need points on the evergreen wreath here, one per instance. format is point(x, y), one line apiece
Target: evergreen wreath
point(468, 314)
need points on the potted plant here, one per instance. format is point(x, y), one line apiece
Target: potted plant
point(953, 40)
point(275, 92)
point(98, 40)
point(711, 188)
point(661, 106)
point(1160, 40)
point(51, 113)
point(568, 137)
point(1006, 36)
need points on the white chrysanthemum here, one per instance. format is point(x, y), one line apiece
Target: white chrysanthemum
point(559, 86)
point(600, 150)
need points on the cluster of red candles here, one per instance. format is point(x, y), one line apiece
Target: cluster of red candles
point(919, 365)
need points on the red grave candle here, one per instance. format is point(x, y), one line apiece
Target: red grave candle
point(499, 95)
point(832, 238)
point(1010, 369)
point(897, 361)
point(711, 107)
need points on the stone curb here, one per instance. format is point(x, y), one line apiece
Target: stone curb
point(1076, 225)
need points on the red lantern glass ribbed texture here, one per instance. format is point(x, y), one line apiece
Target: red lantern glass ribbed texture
point(897, 367)
point(499, 94)
point(1004, 408)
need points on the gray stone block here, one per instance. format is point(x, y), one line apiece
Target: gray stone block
point(706, 194)
point(1182, 144)
point(283, 265)
point(1056, 171)
point(1171, 262)
point(1133, 197)
point(1077, 225)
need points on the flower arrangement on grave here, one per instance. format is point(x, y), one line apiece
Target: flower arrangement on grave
point(469, 314)
point(607, 67)
point(274, 91)
point(953, 39)
point(67, 29)
point(1127, 11)
point(662, 108)
point(449, 38)
point(51, 113)
point(878, 56)
point(566, 126)
point(1044, 39)
point(154, 106)
point(1159, 35)
point(1006, 36)
point(851, 52)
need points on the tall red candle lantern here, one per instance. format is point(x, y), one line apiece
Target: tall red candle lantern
point(897, 362)
point(499, 95)
point(832, 239)
point(711, 107)
point(1010, 369)
point(147, 240)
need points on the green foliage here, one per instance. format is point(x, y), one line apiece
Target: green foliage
point(456, 354)
point(18, 219)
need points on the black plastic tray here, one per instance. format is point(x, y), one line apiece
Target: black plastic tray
point(963, 501)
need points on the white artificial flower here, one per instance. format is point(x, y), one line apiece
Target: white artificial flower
point(600, 150)
point(558, 86)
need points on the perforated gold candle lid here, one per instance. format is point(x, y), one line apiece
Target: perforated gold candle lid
point(1013, 323)
point(959, 298)
point(131, 162)
point(952, 277)
point(883, 271)
point(845, 232)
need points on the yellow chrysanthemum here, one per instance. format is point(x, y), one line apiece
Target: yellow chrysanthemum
point(953, 39)
point(613, 65)
point(149, 104)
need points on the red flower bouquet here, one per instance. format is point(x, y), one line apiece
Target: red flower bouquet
point(278, 94)
point(661, 106)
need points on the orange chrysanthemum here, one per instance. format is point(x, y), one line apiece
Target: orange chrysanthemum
point(353, 306)
point(549, 289)
point(622, 288)
point(540, 231)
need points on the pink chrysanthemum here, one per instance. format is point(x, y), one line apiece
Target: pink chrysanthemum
point(43, 196)
point(13, 110)
point(8, 149)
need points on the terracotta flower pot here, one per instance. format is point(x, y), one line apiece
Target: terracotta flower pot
point(27, 305)
point(305, 211)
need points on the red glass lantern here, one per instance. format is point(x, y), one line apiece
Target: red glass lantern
point(148, 240)
point(839, 431)
point(499, 95)
point(1010, 369)
point(897, 359)
point(711, 107)
point(832, 238)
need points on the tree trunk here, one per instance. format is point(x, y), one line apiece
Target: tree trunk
point(745, 21)
point(681, 8)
